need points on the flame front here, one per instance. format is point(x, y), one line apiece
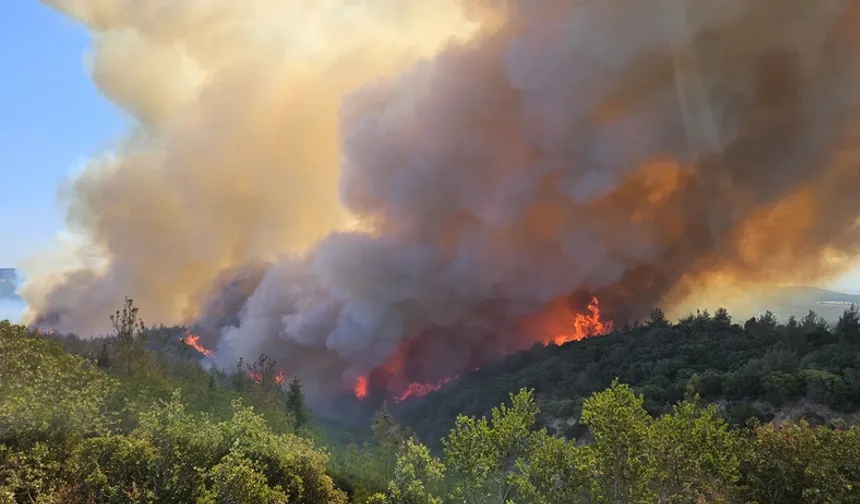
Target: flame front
point(585, 325)
point(194, 342)
point(360, 387)
point(416, 389)
point(558, 324)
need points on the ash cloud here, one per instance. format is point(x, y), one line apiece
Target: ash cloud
point(636, 151)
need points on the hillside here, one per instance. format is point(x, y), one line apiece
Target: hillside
point(134, 418)
point(758, 368)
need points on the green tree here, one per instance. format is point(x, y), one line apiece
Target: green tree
point(391, 438)
point(658, 319)
point(555, 472)
point(418, 478)
point(694, 457)
point(619, 456)
point(795, 463)
point(722, 317)
point(485, 455)
point(176, 456)
point(848, 325)
point(295, 404)
point(47, 394)
point(813, 322)
point(130, 336)
point(238, 479)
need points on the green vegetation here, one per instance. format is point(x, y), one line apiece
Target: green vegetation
point(656, 413)
point(688, 455)
point(761, 369)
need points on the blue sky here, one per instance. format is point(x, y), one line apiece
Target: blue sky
point(52, 118)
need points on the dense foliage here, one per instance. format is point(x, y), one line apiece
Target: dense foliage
point(686, 456)
point(71, 432)
point(761, 369)
point(657, 413)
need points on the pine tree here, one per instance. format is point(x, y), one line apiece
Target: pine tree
point(848, 326)
point(238, 378)
point(103, 359)
point(130, 335)
point(391, 438)
point(722, 317)
point(658, 318)
point(296, 403)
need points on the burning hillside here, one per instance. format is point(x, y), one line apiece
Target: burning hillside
point(388, 194)
point(194, 342)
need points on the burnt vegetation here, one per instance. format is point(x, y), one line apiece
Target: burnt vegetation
point(704, 409)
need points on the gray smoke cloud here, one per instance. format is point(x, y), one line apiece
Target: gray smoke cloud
point(633, 151)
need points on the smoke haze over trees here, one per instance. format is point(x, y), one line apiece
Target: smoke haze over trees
point(411, 251)
point(400, 191)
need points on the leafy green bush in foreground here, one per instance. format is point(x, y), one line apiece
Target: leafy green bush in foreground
point(687, 456)
point(61, 442)
point(130, 423)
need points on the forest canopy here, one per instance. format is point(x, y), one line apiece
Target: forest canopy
point(701, 410)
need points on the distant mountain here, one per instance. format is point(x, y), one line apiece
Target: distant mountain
point(9, 284)
point(797, 301)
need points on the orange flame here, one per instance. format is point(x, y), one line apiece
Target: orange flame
point(360, 387)
point(559, 321)
point(255, 377)
point(584, 326)
point(416, 389)
point(194, 342)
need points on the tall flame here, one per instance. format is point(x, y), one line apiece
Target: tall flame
point(584, 326)
point(194, 342)
point(360, 387)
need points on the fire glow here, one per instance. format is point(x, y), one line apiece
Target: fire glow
point(560, 320)
point(256, 377)
point(582, 325)
point(194, 342)
point(422, 389)
point(360, 387)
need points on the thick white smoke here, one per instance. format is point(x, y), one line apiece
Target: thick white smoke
point(629, 150)
point(236, 155)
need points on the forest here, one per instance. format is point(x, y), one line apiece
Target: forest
point(699, 410)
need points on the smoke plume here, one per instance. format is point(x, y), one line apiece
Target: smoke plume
point(404, 189)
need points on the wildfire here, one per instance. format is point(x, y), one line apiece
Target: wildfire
point(558, 324)
point(194, 342)
point(420, 389)
point(256, 377)
point(584, 326)
point(360, 387)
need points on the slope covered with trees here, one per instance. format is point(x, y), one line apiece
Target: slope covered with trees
point(760, 368)
point(659, 412)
